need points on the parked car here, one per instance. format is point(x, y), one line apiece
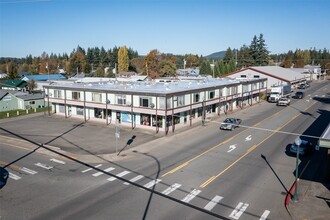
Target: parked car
point(230, 123)
point(299, 95)
point(3, 177)
point(283, 101)
point(304, 148)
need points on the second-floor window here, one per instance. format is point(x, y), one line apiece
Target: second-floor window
point(76, 95)
point(145, 102)
point(211, 94)
point(96, 97)
point(121, 99)
point(57, 93)
point(196, 97)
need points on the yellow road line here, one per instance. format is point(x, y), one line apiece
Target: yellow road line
point(207, 182)
point(214, 147)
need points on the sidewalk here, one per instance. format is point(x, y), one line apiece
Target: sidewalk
point(313, 192)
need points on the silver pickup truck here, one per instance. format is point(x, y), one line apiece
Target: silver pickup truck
point(283, 101)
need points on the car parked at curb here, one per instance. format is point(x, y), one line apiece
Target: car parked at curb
point(305, 148)
point(230, 123)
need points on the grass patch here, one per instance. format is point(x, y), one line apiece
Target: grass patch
point(20, 112)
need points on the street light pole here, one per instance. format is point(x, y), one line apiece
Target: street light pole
point(295, 195)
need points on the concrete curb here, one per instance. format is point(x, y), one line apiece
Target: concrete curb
point(288, 197)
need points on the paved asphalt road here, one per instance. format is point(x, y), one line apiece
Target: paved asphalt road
point(202, 173)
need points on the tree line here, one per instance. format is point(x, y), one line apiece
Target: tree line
point(102, 63)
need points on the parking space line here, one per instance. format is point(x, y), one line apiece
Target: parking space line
point(26, 170)
point(43, 166)
point(14, 176)
point(57, 161)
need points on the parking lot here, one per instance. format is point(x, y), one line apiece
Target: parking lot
point(74, 135)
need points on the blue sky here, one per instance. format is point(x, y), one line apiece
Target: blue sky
point(170, 26)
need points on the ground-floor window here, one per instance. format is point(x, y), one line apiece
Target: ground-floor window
point(145, 119)
point(80, 110)
point(177, 119)
point(98, 113)
point(61, 108)
point(157, 120)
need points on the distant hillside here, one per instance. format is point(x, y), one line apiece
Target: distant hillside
point(216, 55)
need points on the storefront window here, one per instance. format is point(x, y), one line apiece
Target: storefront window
point(145, 119)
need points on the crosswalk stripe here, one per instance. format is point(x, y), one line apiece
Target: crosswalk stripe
point(240, 208)
point(26, 170)
point(13, 176)
point(134, 179)
point(57, 161)
point(191, 195)
point(84, 171)
point(264, 215)
point(106, 170)
point(152, 183)
point(43, 166)
point(171, 188)
point(118, 175)
point(213, 203)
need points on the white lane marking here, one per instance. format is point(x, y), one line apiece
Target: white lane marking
point(118, 175)
point(191, 195)
point(134, 179)
point(231, 148)
point(26, 170)
point(248, 138)
point(43, 166)
point(171, 188)
point(240, 208)
point(57, 161)
point(84, 171)
point(152, 183)
point(213, 203)
point(106, 170)
point(13, 176)
point(264, 215)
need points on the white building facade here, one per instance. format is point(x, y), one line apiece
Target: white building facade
point(161, 106)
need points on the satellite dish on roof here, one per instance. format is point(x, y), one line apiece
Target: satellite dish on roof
point(152, 105)
point(108, 101)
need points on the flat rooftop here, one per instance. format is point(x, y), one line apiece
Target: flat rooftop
point(155, 87)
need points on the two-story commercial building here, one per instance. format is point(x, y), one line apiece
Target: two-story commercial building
point(152, 104)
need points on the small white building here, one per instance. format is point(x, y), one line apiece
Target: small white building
point(153, 104)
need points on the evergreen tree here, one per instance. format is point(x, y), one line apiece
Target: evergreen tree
point(263, 53)
point(228, 55)
point(244, 57)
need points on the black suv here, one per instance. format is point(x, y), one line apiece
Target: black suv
point(299, 95)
